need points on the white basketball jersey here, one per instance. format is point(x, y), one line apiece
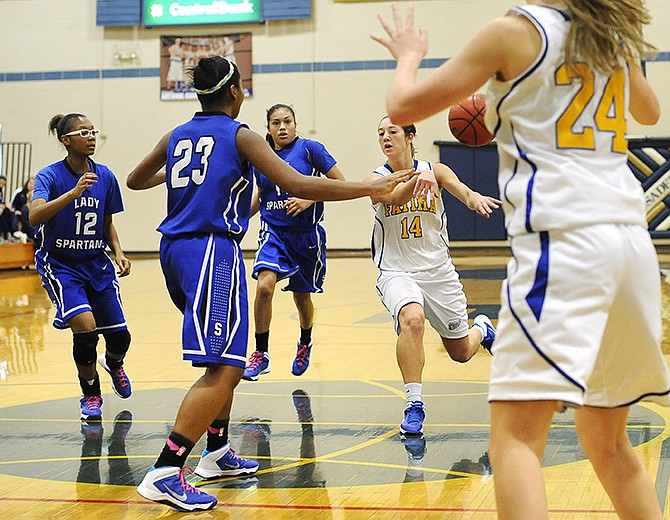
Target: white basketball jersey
point(561, 140)
point(412, 237)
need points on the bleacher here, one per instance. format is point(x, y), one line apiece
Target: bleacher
point(15, 164)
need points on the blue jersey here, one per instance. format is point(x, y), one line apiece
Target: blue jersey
point(75, 232)
point(209, 185)
point(309, 158)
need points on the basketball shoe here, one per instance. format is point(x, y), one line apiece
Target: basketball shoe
point(91, 408)
point(483, 323)
point(415, 413)
point(259, 363)
point(167, 485)
point(120, 381)
point(301, 361)
point(224, 463)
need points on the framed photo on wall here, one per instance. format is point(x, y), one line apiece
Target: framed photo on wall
point(180, 53)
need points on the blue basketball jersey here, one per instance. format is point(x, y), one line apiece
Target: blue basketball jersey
point(75, 232)
point(209, 185)
point(309, 158)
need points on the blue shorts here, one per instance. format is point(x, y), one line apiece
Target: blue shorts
point(87, 285)
point(299, 255)
point(205, 277)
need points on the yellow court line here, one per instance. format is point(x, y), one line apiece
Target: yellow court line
point(388, 388)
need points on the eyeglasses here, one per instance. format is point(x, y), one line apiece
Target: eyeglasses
point(84, 132)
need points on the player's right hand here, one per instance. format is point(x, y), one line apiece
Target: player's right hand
point(85, 181)
point(386, 184)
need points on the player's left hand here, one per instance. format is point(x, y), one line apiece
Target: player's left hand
point(295, 206)
point(402, 40)
point(483, 205)
point(426, 186)
point(123, 264)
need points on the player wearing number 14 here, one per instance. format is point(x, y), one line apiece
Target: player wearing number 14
point(417, 279)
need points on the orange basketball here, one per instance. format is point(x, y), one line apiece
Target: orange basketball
point(466, 121)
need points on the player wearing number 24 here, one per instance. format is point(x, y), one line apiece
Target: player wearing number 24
point(580, 319)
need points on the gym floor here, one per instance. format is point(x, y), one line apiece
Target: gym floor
point(327, 442)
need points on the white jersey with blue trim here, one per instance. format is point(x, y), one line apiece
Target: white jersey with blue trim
point(562, 140)
point(412, 237)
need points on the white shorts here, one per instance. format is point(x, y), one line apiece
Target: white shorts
point(438, 291)
point(580, 319)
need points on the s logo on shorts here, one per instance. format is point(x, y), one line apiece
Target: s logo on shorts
point(453, 325)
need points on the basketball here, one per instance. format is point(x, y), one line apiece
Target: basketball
point(466, 121)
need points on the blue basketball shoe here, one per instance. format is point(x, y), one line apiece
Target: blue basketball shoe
point(224, 463)
point(259, 363)
point(120, 381)
point(412, 424)
point(301, 361)
point(167, 485)
point(91, 407)
point(483, 323)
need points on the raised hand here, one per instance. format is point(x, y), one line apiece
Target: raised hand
point(85, 181)
point(402, 40)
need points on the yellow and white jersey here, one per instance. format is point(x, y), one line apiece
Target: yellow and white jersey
point(562, 139)
point(412, 237)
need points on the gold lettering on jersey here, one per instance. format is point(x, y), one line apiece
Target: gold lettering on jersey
point(416, 204)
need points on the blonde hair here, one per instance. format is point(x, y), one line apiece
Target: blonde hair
point(605, 32)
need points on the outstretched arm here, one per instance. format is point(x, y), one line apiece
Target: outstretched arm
point(475, 201)
point(254, 148)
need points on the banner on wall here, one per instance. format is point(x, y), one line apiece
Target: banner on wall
point(181, 53)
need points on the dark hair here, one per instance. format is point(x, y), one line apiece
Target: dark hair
point(208, 73)
point(268, 115)
point(409, 129)
point(60, 124)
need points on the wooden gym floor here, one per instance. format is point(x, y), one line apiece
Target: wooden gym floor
point(327, 442)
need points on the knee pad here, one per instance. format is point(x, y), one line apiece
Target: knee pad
point(117, 342)
point(84, 348)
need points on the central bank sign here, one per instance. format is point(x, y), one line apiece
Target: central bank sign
point(192, 12)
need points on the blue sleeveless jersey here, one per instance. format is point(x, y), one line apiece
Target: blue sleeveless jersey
point(309, 158)
point(75, 232)
point(209, 186)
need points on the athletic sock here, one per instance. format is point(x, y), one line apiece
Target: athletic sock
point(262, 340)
point(91, 387)
point(217, 434)
point(413, 391)
point(175, 452)
point(112, 363)
point(305, 336)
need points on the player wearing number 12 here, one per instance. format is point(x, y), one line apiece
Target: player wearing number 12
point(72, 207)
point(580, 319)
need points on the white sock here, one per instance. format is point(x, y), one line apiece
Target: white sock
point(413, 391)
